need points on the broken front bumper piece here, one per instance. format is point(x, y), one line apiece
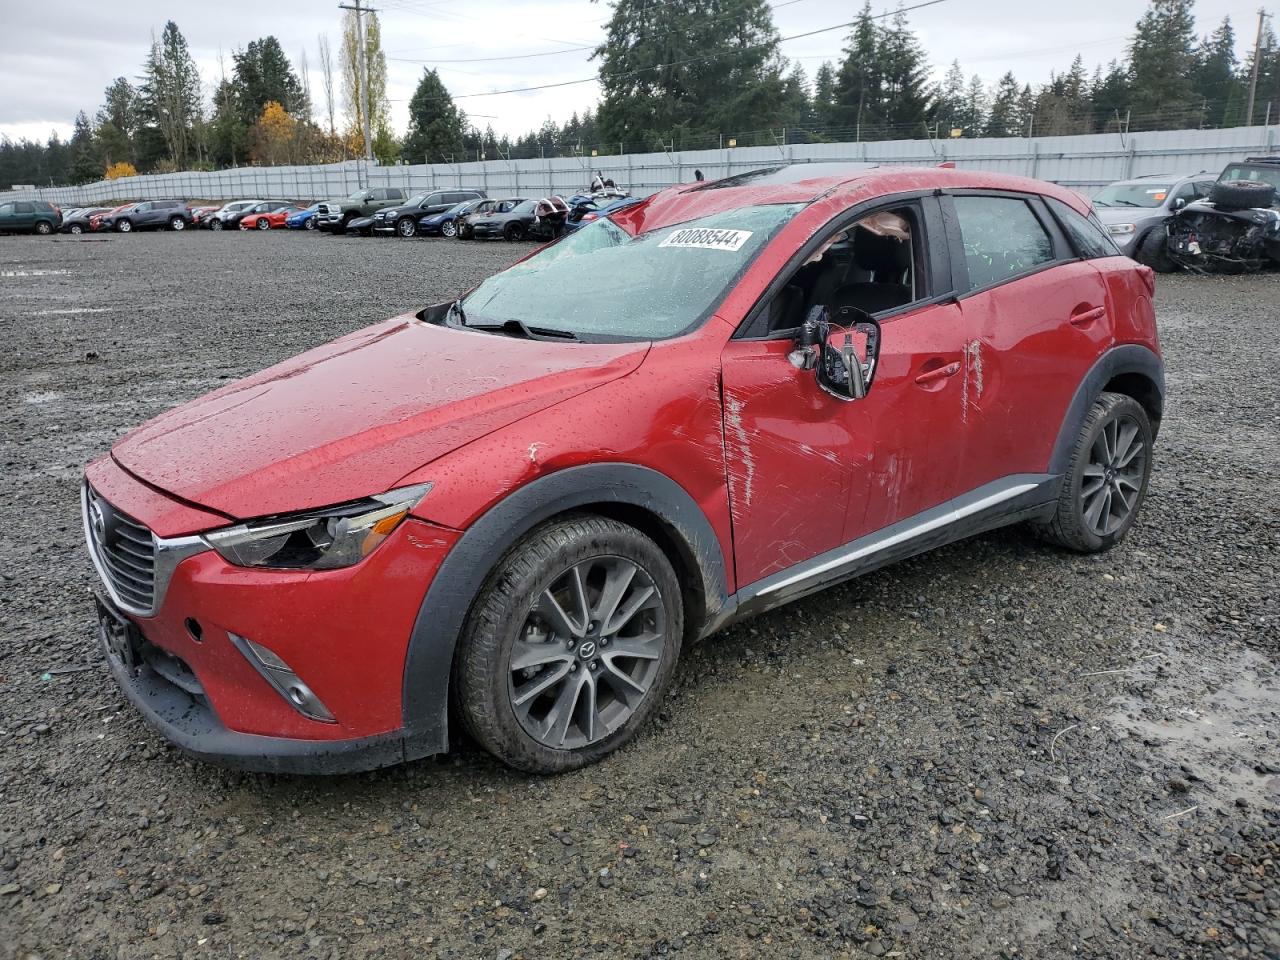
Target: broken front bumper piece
point(1206, 239)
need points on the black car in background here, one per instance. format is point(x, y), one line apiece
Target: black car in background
point(29, 216)
point(511, 220)
point(150, 215)
point(403, 219)
point(77, 221)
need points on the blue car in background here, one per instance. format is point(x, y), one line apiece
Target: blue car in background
point(444, 223)
point(585, 210)
point(303, 219)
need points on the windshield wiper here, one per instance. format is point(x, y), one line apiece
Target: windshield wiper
point(1128, 203)
point(520, 328)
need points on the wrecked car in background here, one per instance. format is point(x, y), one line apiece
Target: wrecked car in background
point(1237, 230)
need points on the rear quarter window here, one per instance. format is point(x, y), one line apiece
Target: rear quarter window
point(1003, 239)
point(1087, 235)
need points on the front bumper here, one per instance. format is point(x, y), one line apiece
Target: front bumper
point(344, 632)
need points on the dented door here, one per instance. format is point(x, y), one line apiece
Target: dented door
point(789, 452)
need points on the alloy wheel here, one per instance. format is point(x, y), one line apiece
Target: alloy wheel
point(43, 228)
point(1112, 479)
point(76, 228)
point(587, 653)
point(406, 228)
point(449, 229)
point(263, 223)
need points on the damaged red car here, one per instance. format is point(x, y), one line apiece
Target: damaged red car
point(514, 510)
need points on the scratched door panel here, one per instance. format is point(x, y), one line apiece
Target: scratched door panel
point(1024, 358)
point(789, 452)
point(916, 426)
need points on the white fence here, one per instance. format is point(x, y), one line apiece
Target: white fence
point(1083, 162)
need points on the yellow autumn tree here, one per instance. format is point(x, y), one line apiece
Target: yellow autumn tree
point(273, 134)
point(121, 169)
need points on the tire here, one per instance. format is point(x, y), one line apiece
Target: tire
point(513, 231)
point(216, 224)
point(405, 227)
point(44, 227)
point(1153, 250)
point(124, 226)
point(1102, 456)
point(263, 224)
point(75, 229)
point(346, 222)
point(448, 229)
point(609, 694)
point(1242, 195)
point(177, 223)
point(311, 223)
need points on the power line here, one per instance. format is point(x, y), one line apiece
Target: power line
point(706, 59)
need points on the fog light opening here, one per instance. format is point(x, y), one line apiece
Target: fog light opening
point(194, 629)
point(282, 679)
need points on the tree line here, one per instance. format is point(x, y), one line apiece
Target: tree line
point(682, 74)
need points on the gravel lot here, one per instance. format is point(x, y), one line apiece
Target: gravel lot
point(998, 750)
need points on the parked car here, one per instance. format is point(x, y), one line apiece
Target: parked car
point(228, 214)
point(518, 507)
point(445, 224)
point(403, 218)
point(1134, 212)
point(266, 215)
point(97, 220)
point(200, 215)
point(149, 215)
point(360, 227)
point(80, 221)
point(1237, 229)
point(334, 215)
point(589, 209)
point(462, 222)
point(29, 216)
point(303, 219)
point(510, 220)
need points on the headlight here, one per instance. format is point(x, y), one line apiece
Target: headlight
point(1121, 229)
point(319, 539)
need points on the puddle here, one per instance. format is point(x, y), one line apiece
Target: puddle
point(69, 312)
point(1216, 714)
point(34, 273)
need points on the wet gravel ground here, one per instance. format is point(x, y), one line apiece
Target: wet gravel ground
point(998, 750)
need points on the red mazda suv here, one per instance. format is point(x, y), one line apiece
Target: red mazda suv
point(515, 509)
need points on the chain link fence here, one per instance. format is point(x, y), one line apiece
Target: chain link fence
point(1085, 162)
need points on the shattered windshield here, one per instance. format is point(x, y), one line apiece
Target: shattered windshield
point(602, 281)
point(1256, 174)
point(1132, 195)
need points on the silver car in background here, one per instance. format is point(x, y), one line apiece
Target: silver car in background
point(1134, 211)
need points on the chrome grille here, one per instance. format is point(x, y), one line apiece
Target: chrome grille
point(125, 552)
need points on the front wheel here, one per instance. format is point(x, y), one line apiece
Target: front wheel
point(311, 223)
point(263, 224)
point(75, 228)
point(570, 646)
point(514, 231)
point(216, 224)
point(448, 229)
point(406, 227)
point(1154, 252)
point(1106, 482)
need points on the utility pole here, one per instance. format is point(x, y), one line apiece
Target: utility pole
point(1257, 60)
point(364, 71)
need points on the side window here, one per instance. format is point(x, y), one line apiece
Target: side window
point(874, 264)
point(6, 208)
point(1002, 239)
point(21, 207)
point(1086, 235)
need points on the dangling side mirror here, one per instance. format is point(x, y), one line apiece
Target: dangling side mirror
point(843, 354)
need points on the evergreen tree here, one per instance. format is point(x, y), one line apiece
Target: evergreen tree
point(949, 109)
point(1002, 119)
point(906, 79)
point(860, 82)
point(1216, 80)
point(1268, 82)
point(86, 164)
point(1162, 59)
point(1110, 96)
point(263, 75)
point(170, 94)
point(435, 124)
point(797, 108)
point(824, 96)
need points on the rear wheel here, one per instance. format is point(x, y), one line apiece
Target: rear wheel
point(1106, 482)
point(75, 228)
point(311, 223)
point(406, 227)
point(177, 223)
point(570, 646)
point(124, 226)
point(449, 229)
point(1154, 252)
point(44, 228)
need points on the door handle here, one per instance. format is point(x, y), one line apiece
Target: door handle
point(938, 373)
point(1082, 318)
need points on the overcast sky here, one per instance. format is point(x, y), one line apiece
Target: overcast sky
point(59, 58)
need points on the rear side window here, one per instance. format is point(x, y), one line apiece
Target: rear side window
point(24, 208)
point(1086, 234)
point(1002, 238)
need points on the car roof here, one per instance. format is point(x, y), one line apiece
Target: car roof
point(807, 182)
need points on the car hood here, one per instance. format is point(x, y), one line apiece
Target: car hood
point(353, 417)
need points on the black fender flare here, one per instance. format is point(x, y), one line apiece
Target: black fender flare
point(444, 610)
point(1126, 358)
